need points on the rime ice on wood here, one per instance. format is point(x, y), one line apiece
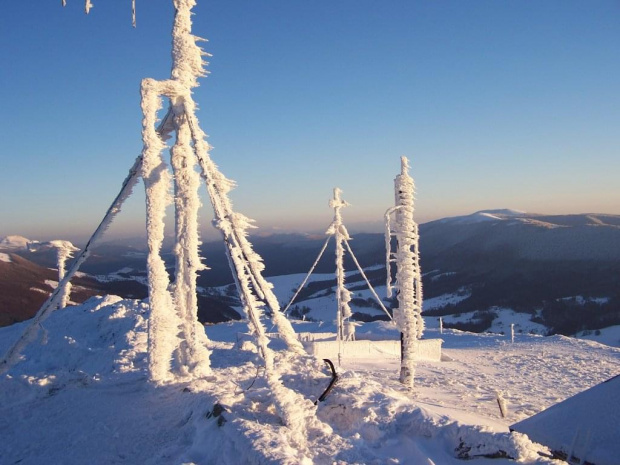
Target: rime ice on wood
point(408, 314)
point(346, 331)
point(162, 322)
point(64, 251)
point(189, 352)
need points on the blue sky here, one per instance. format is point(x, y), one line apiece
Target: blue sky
point(498, 104)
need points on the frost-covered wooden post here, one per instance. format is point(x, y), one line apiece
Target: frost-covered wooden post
point(346, 331)
point(408, 314)
point(64, 251)
point(176, 313)
point(188, 351)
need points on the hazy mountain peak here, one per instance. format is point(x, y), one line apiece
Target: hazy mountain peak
point(484, 215)
point(15, 242)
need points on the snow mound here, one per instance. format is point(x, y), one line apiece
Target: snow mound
point(5, 258)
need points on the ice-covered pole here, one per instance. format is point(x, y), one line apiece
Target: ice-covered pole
point(343, 296)
point(64, 251)
point(188, 351)
point(408, 277)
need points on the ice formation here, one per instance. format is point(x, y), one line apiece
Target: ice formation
point(187, 350)
point(346, 330)
point(64, 251)
point(408, 314)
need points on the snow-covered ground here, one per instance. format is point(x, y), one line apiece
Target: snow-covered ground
point(609, 336)
point(501, 323)
point(124, 274)
point(446, 299)
point(80, 395)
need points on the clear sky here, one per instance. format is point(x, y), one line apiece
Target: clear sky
point(498, 104)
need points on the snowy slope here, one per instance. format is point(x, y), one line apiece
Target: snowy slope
point(609, 336)
point(80, 396)
point(594, 437)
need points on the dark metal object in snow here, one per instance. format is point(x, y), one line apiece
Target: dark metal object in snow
point(331, 383)
point(217, 412)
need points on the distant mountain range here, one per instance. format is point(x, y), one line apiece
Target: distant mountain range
point(562, 271)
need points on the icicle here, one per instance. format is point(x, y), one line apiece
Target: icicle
point(133, 13)
point(64, 2)
point(87, 6)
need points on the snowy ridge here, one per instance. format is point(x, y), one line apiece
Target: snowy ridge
point(484, 215)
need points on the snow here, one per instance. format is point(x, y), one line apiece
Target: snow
point(609, 336)
point(442, 275)
point(124, 274)
point(484, 216)
point(446, 299)
point(594, 437)
point(15, 243)
point(5, 258)
point(83, 397)
point(581, 300)
point(501, 324)
point(522, 322)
